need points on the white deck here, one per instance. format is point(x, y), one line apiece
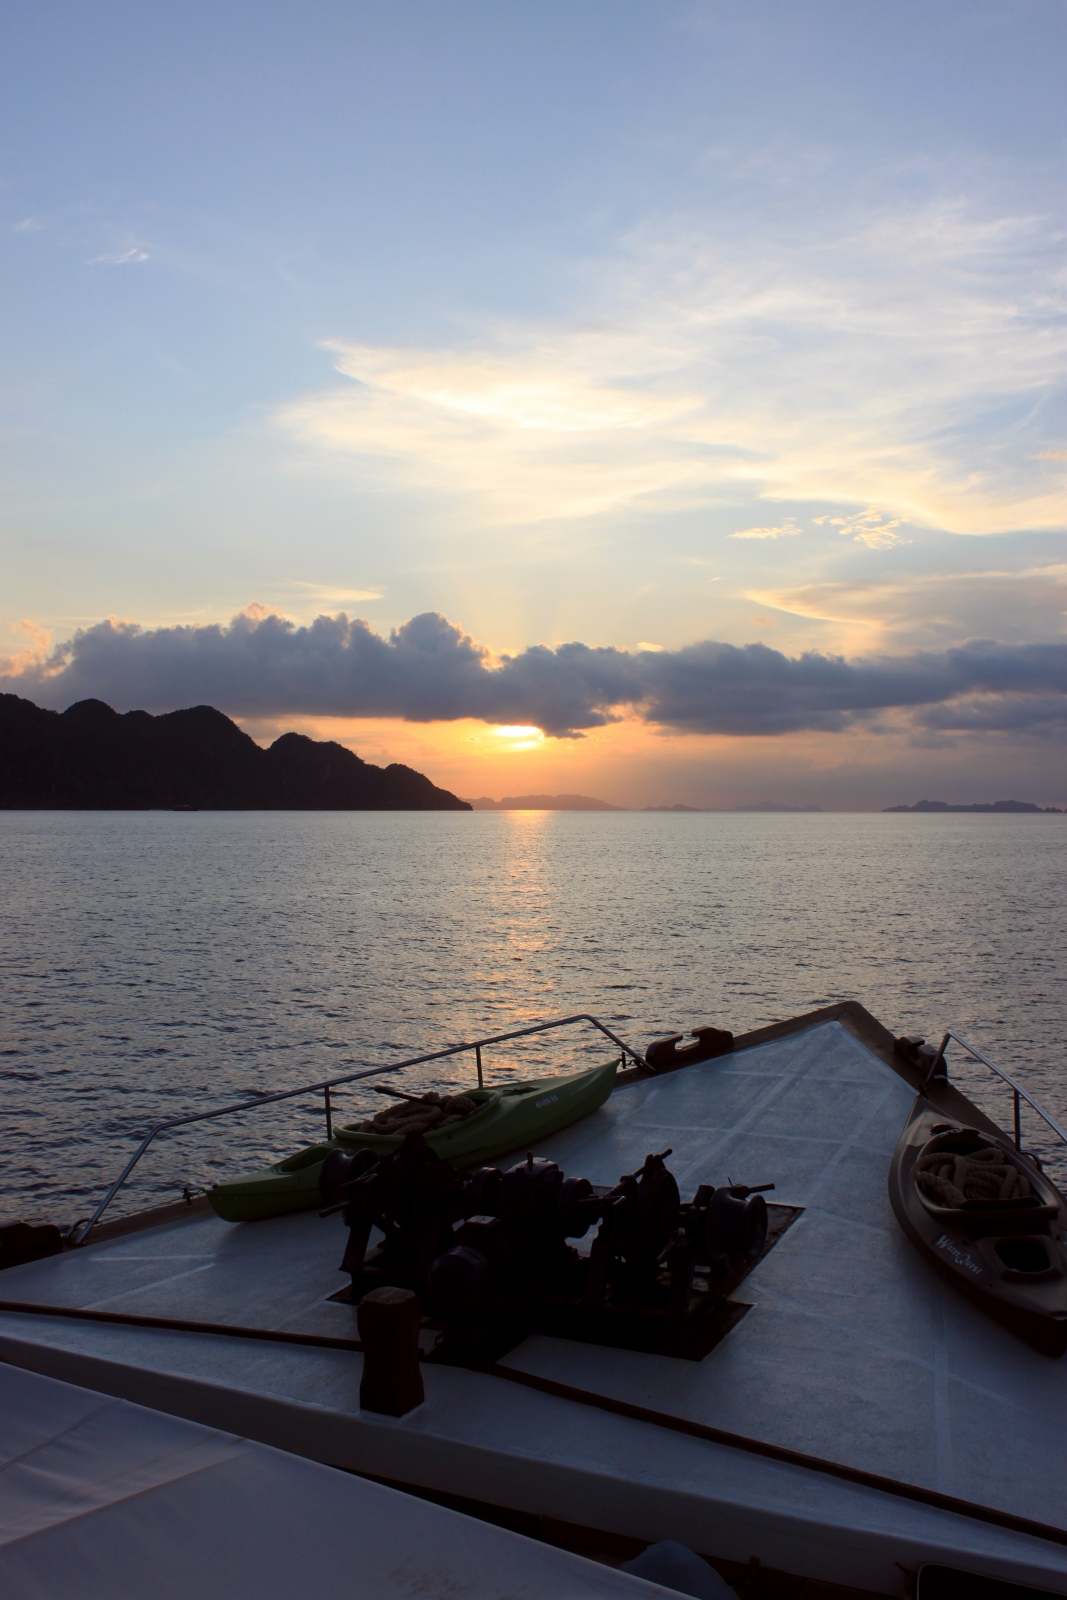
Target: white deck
point(135, 1502)
point(854, 1351)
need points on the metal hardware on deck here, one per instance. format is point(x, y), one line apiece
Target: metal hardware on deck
point(389, 1321)
point(352, 1077)
point(663, 1055)
point(329, 1114)
point(938, 1066)
point(488, 1253)
point(21, 1242)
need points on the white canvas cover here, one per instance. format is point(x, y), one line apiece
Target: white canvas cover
point(103, 1500)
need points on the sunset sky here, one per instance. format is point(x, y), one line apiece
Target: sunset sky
point(657, 401)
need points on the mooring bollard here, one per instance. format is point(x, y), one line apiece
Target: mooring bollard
point(389, 1321)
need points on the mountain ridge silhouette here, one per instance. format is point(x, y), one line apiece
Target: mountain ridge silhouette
point(91, 758)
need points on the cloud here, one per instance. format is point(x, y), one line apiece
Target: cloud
point(999, 714)
point(869, 527)
point(781, 532)
point(915, 609)
point(525, 427)
point(334, 596)
point(903, 358)
point(118, 258)
point(33, 657)
point(429, 670)
point(718, 688)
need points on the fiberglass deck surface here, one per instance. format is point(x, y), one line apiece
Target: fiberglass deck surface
point(854, 1349)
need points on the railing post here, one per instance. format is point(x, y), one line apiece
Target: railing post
point(329, 1114)
point(1018, 1130)
point(478, 1059)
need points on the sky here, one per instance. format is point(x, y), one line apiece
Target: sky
point(660, 401)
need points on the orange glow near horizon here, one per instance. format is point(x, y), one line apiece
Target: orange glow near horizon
point(631, 764)
point(470, 758)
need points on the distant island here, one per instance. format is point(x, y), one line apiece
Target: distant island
point(91, 758)
point(543, 802)
point(696, 811)
point(760, 805)
point(996, 805)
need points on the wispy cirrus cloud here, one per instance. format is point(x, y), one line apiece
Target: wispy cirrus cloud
point(782, 530)
point(929, 608)
point(902, 359)
point(527, 428)
point(119, 258)
point(429, 670)
point(328, 594)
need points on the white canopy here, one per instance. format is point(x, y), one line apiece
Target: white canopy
point(103, 1499)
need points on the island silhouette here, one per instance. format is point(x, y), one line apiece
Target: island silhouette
point(91, 758)
point(995, 805)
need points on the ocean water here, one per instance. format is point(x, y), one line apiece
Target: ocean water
point(155, 963)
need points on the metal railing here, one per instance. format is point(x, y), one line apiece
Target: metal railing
point(81, 1231)
point(1018, 1092)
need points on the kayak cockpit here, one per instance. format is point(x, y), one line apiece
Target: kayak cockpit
point(313, 1156)
point(965, 1176)
point(423, 1114)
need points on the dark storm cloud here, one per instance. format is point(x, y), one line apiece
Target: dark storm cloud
point(429, 670)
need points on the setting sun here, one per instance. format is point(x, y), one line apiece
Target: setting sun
point(520, 738)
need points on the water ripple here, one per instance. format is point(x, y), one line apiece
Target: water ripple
point(153, 963)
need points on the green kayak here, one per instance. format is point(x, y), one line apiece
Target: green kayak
point(507, 1118)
